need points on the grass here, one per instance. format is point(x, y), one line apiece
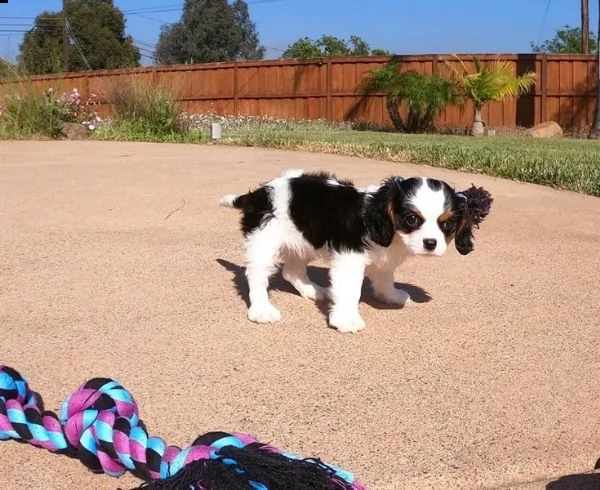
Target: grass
point(144, 110)
point(137, 130)
point(569, 164)
point(27, 114)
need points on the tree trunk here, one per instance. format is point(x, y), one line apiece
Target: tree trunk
point(477, 128)
point(585, 27)
point(394, 112)
point(595, 130)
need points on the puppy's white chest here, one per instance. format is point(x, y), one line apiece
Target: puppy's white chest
point(389, 257)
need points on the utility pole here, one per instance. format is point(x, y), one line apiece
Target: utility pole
point(65, 38)
point(585, 27)
point(595, 129)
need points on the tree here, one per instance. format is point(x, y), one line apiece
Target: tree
point(41, 50)
point(491, 81)
point(209, 31)
point(97, 39)
point(329, 46)
point(423, 95)
point(566, 40)
point(250, 48)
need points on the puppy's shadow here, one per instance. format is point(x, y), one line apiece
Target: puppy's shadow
point(586, 481)
point(320, 275)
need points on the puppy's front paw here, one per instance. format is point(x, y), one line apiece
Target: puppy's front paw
point(315, 293)
point(264, 314)
point(346, 322)
point(397, 297)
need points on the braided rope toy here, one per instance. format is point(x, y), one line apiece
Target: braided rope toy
point(99, 425)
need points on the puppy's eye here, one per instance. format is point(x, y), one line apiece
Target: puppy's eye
point(411, 220)
point(447, 225)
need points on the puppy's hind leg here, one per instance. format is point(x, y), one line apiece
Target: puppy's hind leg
point(294, 271)
point(262, 255)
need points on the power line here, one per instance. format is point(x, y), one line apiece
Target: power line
point(175, 7)
point(155, 9)
point(144, 43)
point(65, 37)
point(151, 18)
point(544, 21)
point(77, 46)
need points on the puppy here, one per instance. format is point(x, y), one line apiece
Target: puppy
point(300, 216)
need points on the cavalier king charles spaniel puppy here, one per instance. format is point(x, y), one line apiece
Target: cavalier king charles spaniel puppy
point(299, 217)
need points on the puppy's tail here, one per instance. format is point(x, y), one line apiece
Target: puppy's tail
point(231, 201)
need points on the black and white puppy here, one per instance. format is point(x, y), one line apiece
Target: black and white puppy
point(300, 216)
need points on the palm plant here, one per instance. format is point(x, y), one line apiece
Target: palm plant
point(491, 81)
point(424, 95)
point(388, 80)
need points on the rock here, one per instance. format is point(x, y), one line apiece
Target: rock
point(548, 129)
point(75, 131)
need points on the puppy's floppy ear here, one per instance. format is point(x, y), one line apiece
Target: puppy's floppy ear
point(379, 214)
point(474, 205)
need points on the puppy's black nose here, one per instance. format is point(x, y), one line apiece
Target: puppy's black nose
point(429, 244)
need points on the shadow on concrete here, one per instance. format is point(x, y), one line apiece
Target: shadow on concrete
point(589, 481)
point(320, 276)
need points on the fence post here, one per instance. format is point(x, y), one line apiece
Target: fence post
point(235, 88)
point(434, 64)
point(328, 88)
point(544, 88)
point(86, 87)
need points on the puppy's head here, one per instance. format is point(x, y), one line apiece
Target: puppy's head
point(426, 213)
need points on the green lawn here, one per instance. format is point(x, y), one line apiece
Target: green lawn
point(571, 164)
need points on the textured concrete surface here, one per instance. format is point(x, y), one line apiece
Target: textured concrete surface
point(115, 260)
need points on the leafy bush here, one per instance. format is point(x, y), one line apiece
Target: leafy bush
point(152, 110)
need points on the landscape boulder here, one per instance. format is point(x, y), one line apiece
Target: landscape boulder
point(548, 129)
point(75, 131)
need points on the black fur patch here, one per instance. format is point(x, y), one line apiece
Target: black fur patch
point(407, 218)
point(434, 184)
point(257, 209)
point(328, 214)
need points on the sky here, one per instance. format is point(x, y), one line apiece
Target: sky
point(399, 26)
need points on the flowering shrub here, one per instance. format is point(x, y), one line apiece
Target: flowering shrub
point(25, 112)
point(201, 122)
point(69, 107)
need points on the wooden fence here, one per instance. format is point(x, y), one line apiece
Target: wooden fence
point(328, 88)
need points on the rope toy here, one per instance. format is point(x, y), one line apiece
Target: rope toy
point(479, 204)
point(99, 425)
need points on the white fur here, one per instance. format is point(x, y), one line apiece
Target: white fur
point(227, 201)
point(280, 242)
point(430, 204)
